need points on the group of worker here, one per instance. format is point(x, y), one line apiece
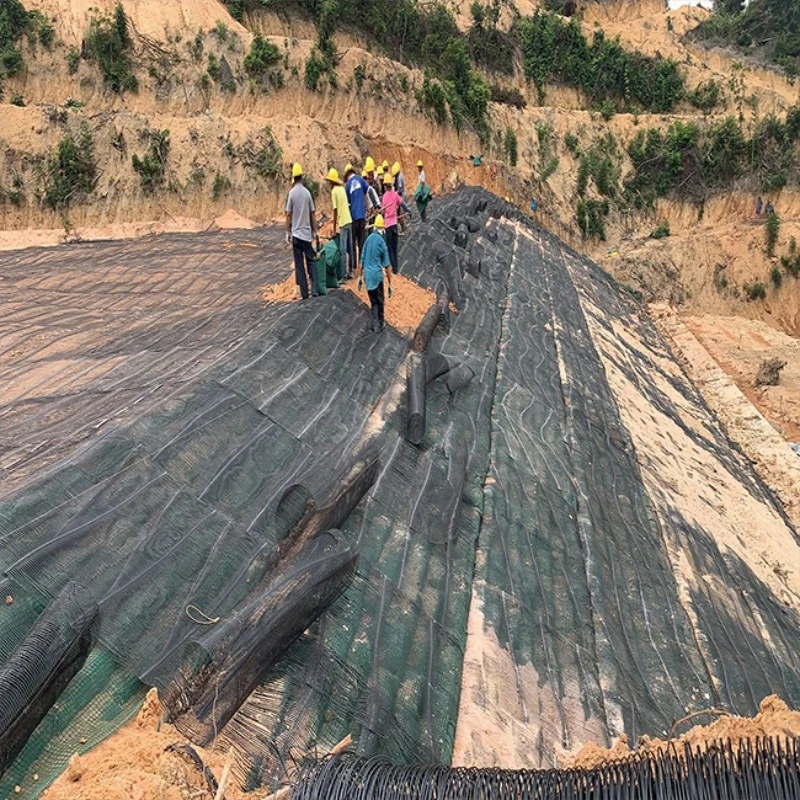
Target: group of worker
point(374, 199)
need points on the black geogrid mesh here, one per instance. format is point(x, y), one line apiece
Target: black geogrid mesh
point(215, 408)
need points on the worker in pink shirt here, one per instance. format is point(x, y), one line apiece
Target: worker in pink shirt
point(390, 205)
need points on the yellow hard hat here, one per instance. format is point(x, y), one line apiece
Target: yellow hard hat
point(333, 175)
point(387, 180)
point(297, 170)
point(385, 165)
point(507, 199)
point(380, 170)
point(348, 168)
point(395, 168)
point(420, 164)
point(379, 223)
point(369, 165)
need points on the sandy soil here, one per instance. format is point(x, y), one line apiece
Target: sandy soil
point(404, 310)
point(739, 346)
point(136, 764)
point(758, 420)
point(775, 719)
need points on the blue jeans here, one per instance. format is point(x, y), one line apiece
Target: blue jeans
point(346, 251)
point(301, 249)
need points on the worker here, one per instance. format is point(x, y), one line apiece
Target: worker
point(356, 188)
point(385, 166)
point(373, 198)
point(369, 168)
point(342, 223)
point(301, 227)
point(421, 171)
point(422, 196)
point(375, 262)
point(390, 205)
point(400, 188)
point(378, 182)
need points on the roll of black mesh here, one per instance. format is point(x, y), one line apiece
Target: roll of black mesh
point(40, 668)
point(416, 381)
point(225, 665)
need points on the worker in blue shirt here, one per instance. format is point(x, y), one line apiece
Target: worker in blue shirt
point(356, 188)
point(374, 264)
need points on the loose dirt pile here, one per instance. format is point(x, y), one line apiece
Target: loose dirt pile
point(404, 310)
point(775, 719)
point(135, 764)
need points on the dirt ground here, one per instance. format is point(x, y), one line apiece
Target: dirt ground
point(137, 764)
point(404, 310)
point(774, 719)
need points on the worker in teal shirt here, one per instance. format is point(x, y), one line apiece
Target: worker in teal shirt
point(374, 264)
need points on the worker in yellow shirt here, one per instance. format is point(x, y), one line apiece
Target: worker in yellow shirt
point(342, 224)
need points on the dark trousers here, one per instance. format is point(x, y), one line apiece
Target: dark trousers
point(358, 239)
point(301, 250)
point(391, 244)
point(376, 307)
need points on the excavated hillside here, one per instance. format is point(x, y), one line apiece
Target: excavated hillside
point(594, 535)
point(232, 138)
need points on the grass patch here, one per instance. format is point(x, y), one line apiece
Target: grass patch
point(108, 44)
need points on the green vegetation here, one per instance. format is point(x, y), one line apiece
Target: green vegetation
point(238, 8)
point(591, 215)
point(755, 291)
point(661, 231)
point(706, 96)
point(548, 161)
point(555, 50)
point(490, 46)
point(572, 144)
point(221, 185)
point(771, 229)
point(71, 172)
point(108, 43)
point(689, 161)
point(73, 58)
point(152, 167)
point(432, 97)
point(261, 59)
point(14, 21)
point(510, 147)
point(770, 28)
point(416, 34)
point(600, 163)
point(776, 276)
point(40, 29)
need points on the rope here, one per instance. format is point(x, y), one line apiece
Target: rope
point(201, 618)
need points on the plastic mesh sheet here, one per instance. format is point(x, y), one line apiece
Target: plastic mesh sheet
point(179, 440)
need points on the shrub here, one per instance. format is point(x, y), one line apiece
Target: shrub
point(262, 57)
point(591, 216)
point(599, 163)
point(18, 100)
point(267, 160)
point(73, 58)
point(432, 97)
point(152, 167)
point(556, 50)
point(661, 231)
point(510, 146)
point(315, 67)
point(771, 230)
point(360, 73)
point(571, 142)
point(196, 47)
point(108, 43)
point(755, 291)
point(312, 186)
point(221, 185)
point(777, 277)
point(71, 172)
point(706, 96)
point(490, 46)
point(14, 21)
